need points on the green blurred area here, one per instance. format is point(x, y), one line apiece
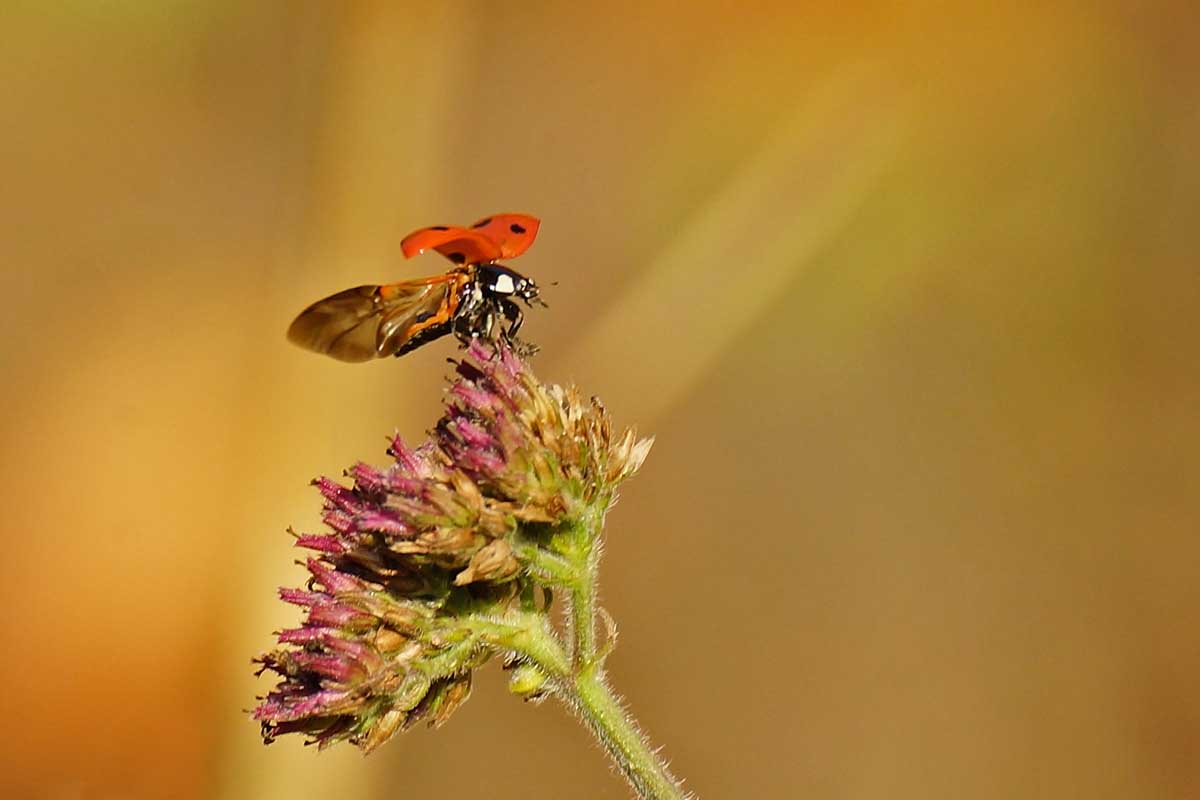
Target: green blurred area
point(907, 294)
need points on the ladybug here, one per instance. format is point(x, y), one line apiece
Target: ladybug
point(474, 299)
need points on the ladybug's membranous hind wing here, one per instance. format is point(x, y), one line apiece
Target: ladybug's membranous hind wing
point(373, 321)
point(422, 319)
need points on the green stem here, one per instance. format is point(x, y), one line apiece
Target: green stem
point(530, 634)
point(595, 702)
point(584, 555)
point(575, 669)
point(583, 688)
point(546, 567)
point(583, 622)
point(588, 692)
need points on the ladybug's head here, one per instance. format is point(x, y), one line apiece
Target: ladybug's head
point(505, 282)
point(527, 290)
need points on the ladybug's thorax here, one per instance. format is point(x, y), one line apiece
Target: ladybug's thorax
point(498, 280)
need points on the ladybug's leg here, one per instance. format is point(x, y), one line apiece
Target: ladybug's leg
point(466, 317)
point(514, 315)
point(487, 322)
point(462, 328)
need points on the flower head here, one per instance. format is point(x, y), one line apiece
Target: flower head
point(536, 450)
point(422, 556)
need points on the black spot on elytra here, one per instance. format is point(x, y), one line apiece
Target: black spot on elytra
point(424, 315)
point(515, 228)
point(482, 223)
point(457, 258)
point(439, 228)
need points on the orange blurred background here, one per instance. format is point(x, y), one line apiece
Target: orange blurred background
point(907, 292)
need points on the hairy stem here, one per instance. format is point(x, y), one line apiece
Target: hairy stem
point(588, 692)
point(575, 666)
point(531, 635)
point(583, 552)
point(583, 620)
point(583, 688)
point(595, 702)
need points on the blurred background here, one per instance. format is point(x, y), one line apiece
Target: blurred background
point(907, 292)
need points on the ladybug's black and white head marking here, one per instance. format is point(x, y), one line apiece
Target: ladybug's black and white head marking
point(497, 280)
